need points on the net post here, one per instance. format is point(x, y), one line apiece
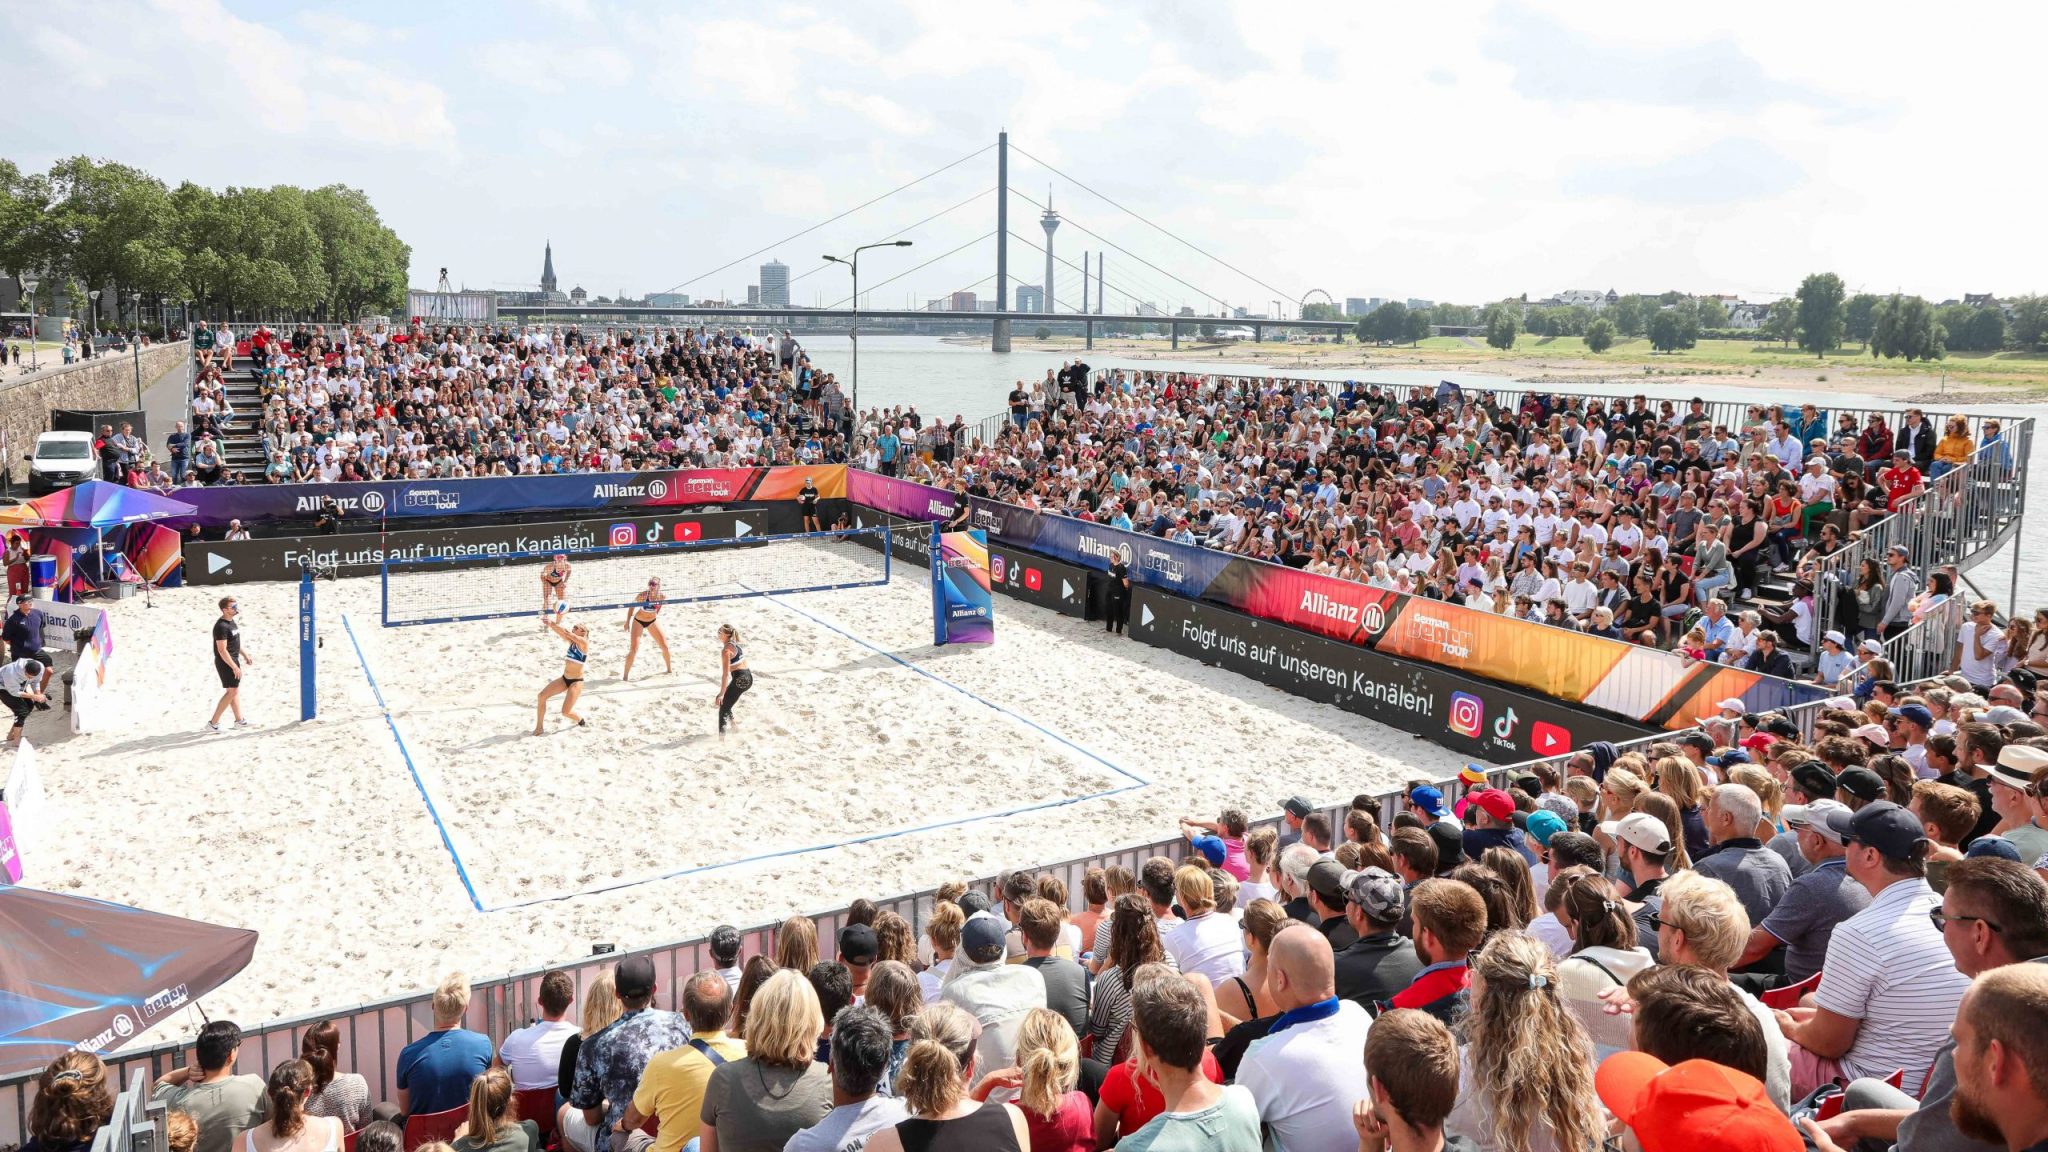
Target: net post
point(308, 678)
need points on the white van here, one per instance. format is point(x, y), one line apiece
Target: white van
point(61, 459)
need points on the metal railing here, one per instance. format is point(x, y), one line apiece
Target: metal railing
point(1962, 518)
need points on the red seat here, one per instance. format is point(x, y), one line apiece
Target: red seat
point(348, 1140)
point(1897, 1079)
point(425, 1128)
point(537, 1105)
point(1830, 1107)
point(1788, 996)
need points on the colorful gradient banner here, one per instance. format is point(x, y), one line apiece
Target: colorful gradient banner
point(963, 608)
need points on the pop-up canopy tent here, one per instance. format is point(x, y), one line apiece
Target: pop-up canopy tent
point(101, 507)
point(77, 972)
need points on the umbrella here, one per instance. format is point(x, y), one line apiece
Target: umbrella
point(95, 504)
point(83, 973)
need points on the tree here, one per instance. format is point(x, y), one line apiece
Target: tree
point(1389, 322)
point(1713, 314)
point(1783, 321)
point(1972, 329)
point(1419, 320)
point(1043, 333)
point(1627, 315)
point(1503, 322)
point(1860, 309)
point(1823, 312)
point(1600, 335)
point(2030, 322)
point(1905, 326)
point(1688, 314)
point(1665, 333)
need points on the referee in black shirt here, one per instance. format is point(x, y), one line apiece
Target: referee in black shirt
point(24, 635)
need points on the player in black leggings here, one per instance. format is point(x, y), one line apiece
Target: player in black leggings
point(734, 679)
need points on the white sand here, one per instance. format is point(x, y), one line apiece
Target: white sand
point(316, 835)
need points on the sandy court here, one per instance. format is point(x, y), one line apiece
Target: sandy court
point(316, 835)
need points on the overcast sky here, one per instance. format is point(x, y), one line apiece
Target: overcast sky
point(1449, 150)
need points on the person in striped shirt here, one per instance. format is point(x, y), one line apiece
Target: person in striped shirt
point(1889, 988)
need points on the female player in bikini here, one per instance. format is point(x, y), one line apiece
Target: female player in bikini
point(644, 615)
point(733, 678)
point(554, 586)
point(569, 685)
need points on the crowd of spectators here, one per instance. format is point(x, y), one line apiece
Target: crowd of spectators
point(349, 402)
point(1624, 518)
point(1722, 932)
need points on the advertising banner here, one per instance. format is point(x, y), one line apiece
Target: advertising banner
point(905, 498)
point(963, 611)
point(21, 811)
point(500, 495)
point(1470, 716)
point(1063, 588)
point(362, 554)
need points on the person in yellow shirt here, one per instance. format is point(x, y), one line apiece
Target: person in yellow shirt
point(672, 1085)
point(1954, 449)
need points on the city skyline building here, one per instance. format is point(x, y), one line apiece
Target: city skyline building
point(775, 284)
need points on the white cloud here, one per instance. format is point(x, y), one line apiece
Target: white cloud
point(1461, 150)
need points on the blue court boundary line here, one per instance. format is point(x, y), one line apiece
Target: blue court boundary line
point(1137, 782)
point(403, 751)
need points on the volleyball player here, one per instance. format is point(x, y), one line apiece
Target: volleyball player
point(807, 501)
point(733, 678)
point(569, 685)
point(644, 615)
point(554, 586)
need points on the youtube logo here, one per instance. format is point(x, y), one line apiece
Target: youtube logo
point(687, 530)
point(1033, 578)
point(1547, 739)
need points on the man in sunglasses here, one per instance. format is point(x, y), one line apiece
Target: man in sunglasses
point(1993, 914)
point(229, 662)
point(1889, 988)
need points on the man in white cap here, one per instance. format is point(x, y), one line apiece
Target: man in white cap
point(2012, 797)
point(1645, 848)
point(1730, 709)
point(1821, 897)
point(1832, 667)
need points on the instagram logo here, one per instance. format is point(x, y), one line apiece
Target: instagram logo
point(1467, 713)
point(624, 536)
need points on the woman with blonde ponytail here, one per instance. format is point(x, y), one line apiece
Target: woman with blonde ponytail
point(493, 1124)
point(1526, 1070)
point(1057, 1117)
point(290, 1128)
point(944, 1117)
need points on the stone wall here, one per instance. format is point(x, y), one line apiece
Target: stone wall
point(103, 382)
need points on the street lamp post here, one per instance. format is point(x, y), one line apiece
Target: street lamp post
point(95, 295)
point(853, 262)
point(135, 347)
point(28, 285)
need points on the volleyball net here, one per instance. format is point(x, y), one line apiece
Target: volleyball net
point(449, 589)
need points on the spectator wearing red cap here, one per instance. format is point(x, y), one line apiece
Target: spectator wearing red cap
point(1695, 1106)
point(1490, 823)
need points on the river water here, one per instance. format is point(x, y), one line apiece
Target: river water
point(943, 380)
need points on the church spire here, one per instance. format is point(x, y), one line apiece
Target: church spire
point(547, 269)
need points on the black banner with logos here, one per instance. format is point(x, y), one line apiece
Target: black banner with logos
point(362, 554)
point(1012, 571)
point(1475, 717)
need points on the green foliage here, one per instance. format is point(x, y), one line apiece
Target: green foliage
point(1043, 333)
point(1905, 326)
point(1600, 335)
point(1665, 331)
point(1783, 322)
point(1712, 314)
point(1628, 315)
point(1388, 322)
point(280, 249)
point(1861, 308)
point(1823, 312)
point(1503, 322)
point(1972, 329)
point(2030, 322)
point(1419, 321)
point(1321, 311)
